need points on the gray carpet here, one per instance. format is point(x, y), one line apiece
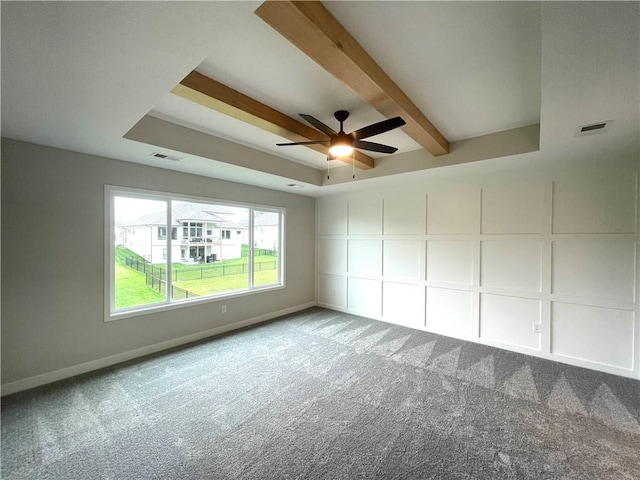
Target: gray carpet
point(325, 395)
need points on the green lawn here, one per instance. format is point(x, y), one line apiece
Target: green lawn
point(233, 261)
point(208, 286)
point(131, 289)
point(122, 253)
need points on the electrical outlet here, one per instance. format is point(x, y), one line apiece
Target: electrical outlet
point(537, 328)
point(224, 309)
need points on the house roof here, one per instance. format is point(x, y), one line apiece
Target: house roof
point(219, 210)
point(266, 219)
point(181, 213)
point(474, 68)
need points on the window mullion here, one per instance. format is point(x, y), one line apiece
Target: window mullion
point(280, 248)
point(168, 266)
point(250, 252)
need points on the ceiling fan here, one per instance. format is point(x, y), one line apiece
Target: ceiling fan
point(341, 144)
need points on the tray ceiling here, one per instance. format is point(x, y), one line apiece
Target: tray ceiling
point(96, 77)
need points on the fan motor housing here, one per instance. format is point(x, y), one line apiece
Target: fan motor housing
point(342, 139)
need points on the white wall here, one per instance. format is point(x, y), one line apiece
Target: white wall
point(485, 257)
point(53, 290)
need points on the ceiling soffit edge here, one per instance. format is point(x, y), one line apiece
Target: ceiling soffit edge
point(516, 141)
point(168, 135)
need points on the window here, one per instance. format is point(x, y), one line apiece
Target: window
point(148, 271)
point(193, 230)
point(162, 233)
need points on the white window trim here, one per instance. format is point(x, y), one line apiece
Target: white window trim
point(110, 191)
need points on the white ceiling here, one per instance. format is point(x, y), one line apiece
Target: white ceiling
point(79, 75)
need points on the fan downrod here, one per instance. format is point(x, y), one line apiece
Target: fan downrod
point(341, 116)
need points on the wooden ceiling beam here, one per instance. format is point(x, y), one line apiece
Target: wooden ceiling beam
point(210, 93)
point(310, 26)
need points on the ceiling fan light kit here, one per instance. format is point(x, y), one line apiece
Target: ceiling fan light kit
point(341, 150)
point(341, 145)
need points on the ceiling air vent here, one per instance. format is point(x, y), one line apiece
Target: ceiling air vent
point(166, 157)
point(593, 128)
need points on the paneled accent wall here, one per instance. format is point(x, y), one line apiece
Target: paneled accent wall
point(543, 263)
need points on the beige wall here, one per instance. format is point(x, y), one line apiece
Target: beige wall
point(53, 262)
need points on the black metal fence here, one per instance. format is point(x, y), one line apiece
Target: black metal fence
point(258, 252)
point(197, 273)
point(145, 267)
point(160, 285)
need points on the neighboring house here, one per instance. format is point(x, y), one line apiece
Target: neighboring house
point(197, 235)
point(266, 230)
point(232, 237)
point(119, 233)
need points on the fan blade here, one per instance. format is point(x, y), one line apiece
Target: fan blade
point(378, 128)
point(374, 147)
point(319, 125)
point(312, 142)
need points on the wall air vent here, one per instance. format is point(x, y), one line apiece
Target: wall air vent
point(593, 128)
point(166, 157)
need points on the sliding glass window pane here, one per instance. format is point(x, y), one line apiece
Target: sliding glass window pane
point(140, 249)
point(204, 261)
point(266, 248)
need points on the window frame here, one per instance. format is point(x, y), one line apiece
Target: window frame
point(111, 191)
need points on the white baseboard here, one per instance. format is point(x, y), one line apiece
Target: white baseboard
point(74, 370)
